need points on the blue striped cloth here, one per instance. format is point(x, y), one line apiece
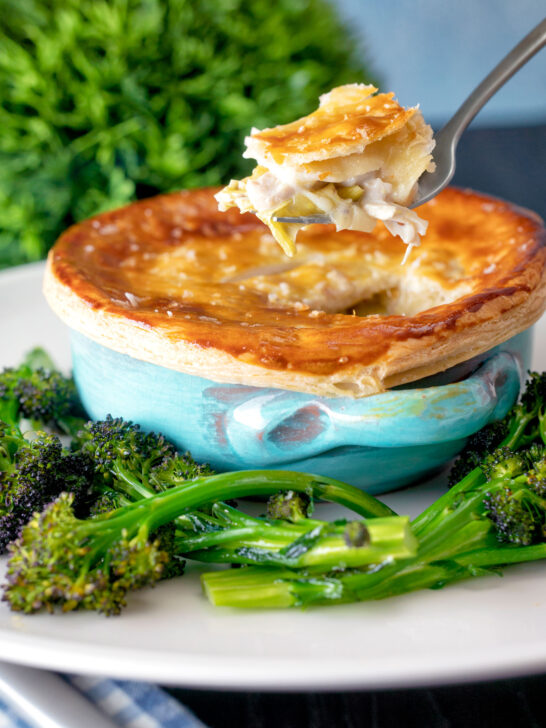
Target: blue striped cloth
point(128, 704)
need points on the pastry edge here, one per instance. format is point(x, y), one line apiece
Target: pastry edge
point(407, 361)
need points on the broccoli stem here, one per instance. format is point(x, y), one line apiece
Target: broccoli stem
point(69, 424)
point(267, 482)
point(9, 412)
point(510, 555)
point(231, 536)
point(435, 510)
point(268, 587)
point(11, 439)
point(259, 587)
point(169, 504)
point(130, 484)
point(459, 542)
point(244, 483)
point(300, 545)
point(321, 547)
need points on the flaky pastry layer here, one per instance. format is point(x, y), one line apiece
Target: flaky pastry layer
point(348, 119)
point(174, 282)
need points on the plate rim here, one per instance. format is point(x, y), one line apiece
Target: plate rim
point(236, 673)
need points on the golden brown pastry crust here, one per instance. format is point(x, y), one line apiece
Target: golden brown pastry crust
point(175, 282)
point(347, 120)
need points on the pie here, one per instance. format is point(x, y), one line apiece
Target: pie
point(357, 158)
point(175, 282)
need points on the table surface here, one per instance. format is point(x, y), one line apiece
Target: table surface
point(517, 703)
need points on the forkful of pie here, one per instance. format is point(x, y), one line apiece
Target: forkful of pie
point(359, 158)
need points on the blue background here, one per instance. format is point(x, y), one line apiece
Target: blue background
point(434, 53)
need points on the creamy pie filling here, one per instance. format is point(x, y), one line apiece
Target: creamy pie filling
point(356, 204)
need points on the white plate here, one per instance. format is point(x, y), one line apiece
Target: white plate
point(482, 629)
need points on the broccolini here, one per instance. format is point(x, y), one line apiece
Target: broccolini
point(36, 391)
point(60, 560)
point(32, 473)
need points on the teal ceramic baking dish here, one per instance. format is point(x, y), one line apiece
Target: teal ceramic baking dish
point(378, 443)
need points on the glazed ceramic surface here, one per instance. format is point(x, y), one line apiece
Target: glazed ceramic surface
point(379, 442)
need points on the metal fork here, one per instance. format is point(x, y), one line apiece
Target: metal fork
point(430, 183)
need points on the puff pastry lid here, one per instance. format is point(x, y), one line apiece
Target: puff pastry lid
point(175, 282)
point(348, 119)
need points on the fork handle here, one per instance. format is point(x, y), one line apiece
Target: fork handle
point(505, 69)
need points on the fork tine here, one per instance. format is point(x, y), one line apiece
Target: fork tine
point(307, 220)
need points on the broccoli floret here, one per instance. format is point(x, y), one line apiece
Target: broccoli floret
point(133, 462)
point(533, 397)
point(107, 501)
point(115, 442)
point(513, 516)
point(177, 469)
point(523, 426)
point(289, 506)
point(537, 476)
point(483, 441)
point(44, 396)
point(517, 506)
point(525, 423)
point(167, 541)
point(503, 464)
point(61, 561)
point(34, 472)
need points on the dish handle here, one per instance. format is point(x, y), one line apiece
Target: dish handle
point(276, 427)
